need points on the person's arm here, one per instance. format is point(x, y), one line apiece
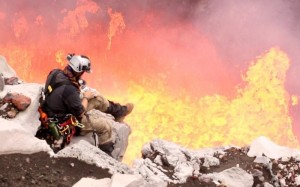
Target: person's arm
point(76, 105)
point(85, 100)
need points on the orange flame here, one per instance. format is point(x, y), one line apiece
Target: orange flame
point(116, 24)
point(295, 100)
point(259, 109)
point(60, 58)
point(76, 20)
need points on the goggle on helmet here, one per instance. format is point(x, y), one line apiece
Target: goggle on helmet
point(79, 63)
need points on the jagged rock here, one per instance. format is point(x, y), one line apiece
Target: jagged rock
point(29, 119)
point(297, 180)
point(12, 113)
point(11, 81)
point(14, 134)
point(126, 180)
point(260, 147)
point(8, 97)
point(20, 101)
point(91, 154)
point(6, 70)
point(262, 160)
point(93, 182)
point(167, 162)
point(257, 173)
point(1, 82)
point(234, 177)
point(211, 161)
point(121, 132)
point(3, 107)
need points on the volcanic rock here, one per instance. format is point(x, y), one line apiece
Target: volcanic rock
point(11, 81)
point(21, 101)
point(1, 82)
point(6, 70)
point(8, 98)
point(12, 113)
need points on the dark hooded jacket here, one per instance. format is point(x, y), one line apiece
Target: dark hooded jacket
point(64, 99)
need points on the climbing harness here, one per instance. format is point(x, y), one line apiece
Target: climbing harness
point(57, 128)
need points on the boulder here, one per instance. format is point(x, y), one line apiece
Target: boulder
point(5, 69)
point(20, 101)
point(11, 81)
point(127, 180)
point(8, 97)
point(12, 113)
point(121, 132)
point(234, 176)
point(85, 151)
point(1, 82)
point(29, 118)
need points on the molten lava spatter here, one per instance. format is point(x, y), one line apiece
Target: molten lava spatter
point(259, 109)
point(116, 24)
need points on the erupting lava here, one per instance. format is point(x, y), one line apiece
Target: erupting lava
point(259, 109)
point(128, 65)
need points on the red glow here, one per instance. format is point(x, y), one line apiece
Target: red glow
point(126, 45)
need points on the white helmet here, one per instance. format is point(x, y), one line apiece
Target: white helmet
point(79, 63)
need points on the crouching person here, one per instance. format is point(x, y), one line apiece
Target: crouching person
point(63, 98)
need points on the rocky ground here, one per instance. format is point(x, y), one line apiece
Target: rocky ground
point(40, 170)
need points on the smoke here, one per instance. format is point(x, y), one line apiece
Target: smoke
point(200, 47)
point(204, 46)
point(241, 30)
point(205, 40)
point(212, 40)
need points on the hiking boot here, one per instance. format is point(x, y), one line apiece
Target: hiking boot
point(129, 108)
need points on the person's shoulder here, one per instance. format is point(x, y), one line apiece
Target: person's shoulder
point(56, 70)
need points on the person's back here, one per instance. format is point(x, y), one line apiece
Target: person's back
point(65, 98)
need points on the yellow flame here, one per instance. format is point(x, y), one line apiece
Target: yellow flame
point(260, 108)
point(60, 58)
point(295, 100)
point(20, 59)
point(76, 19)
point(116, 24)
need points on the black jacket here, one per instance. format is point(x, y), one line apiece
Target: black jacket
point(65, 99)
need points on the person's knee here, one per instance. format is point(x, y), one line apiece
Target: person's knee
point(98, 103)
